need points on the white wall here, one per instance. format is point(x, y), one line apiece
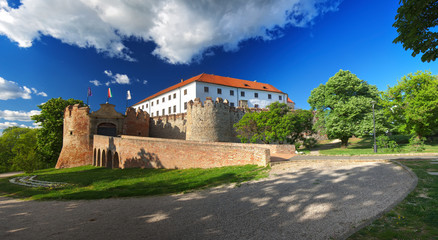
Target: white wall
point(196, 89)
point(177, 101)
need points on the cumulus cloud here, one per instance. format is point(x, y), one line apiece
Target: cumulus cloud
point(10, 124)
point(96, 83)
point(145, 82)
point(18, 115)
point(11, 90)
point(117, 78)
point(181, 29)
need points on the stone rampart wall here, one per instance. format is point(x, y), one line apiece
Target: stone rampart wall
point(171, 126)
point(170, 153)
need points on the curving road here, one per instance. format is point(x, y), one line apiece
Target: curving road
point(319, 200)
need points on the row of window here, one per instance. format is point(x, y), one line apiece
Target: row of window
point(242, 93)
point(164, 99)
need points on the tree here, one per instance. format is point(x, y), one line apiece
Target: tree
point(342, 105)
point(413, 104)
point(25, 150)
point(50, 134)
point(278, 124)
point(11, 155)
point(416, 22)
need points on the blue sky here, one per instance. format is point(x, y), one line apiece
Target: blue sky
point(51, 48)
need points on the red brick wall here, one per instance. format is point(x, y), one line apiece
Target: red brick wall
point(170, 153)
point(136, 123)
point(77, 142)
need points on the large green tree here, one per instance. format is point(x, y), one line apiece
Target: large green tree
point(51, 118)
point(278, 124)
point(18, 149)
point(342, 105)
point(416, 23)
point(412, 104)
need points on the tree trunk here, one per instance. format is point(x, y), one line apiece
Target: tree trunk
point(344, 142)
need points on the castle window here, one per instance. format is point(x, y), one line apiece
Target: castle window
point(242, 94)
point(219, 91)
point(158, 113)
point(206, 89)
point(152, 114)
point(164, 112)
point(185, 92)
point(231, 104)
point(170, 97)
point(170, 110)
point(174, 109)
point(174, 95)
point(231, 92)
point(256, 95)
point(279, 98)
point(152, 104)
point(158, 101)
point(71, 132)
point(146, 105)
point(269, 96)
point(256, 105)
point(185, 106)
point(163, 99)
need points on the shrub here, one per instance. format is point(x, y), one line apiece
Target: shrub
point(386, 145)
point(417, 144)
point(309, 142)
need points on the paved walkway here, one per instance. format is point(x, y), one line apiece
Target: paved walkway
point(9, 174)
point(300, 200)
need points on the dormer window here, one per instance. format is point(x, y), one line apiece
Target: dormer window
point(246, 85)
point(265, 87)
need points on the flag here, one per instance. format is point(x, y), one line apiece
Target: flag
point(128, 95)
point(109, 93)
point(89, 94)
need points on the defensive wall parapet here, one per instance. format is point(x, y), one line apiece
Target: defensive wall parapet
point(169, 126)
point(145, 152)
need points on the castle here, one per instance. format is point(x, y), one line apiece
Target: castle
point(202, 137)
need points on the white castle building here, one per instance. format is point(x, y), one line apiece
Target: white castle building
point(239, 93)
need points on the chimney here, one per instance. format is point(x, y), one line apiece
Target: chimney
point(182, 80)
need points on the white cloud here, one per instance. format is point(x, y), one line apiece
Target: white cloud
point(18, 115)
point(42, 94)
point(182, 29)
point(11, 90)
point(10, 124)
point(117, 78)
point(145, 82)
point(96, 83)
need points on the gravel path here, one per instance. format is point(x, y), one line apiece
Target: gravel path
point(316, 200)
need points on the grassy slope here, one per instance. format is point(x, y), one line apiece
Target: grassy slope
point(95, 183)
point(365, 146)
point(416, 217)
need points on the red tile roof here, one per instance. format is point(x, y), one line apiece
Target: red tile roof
point(219, 80)
point(289, 101)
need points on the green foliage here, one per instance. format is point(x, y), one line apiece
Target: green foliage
point(18, 150)
point(415, 21)
point(88, 182)
point(386, 145)
point(49, 138)
point(412, 104)
point(417, 144)
point(344, 106)
point(309, 142)
point(278, 124)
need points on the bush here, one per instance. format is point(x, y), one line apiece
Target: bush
point(386, 145)
point(297, 145)
point(309, 142)
point(401, 139)
point(417, 144)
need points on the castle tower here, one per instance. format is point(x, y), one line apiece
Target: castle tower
point(212, 122)
point(77, 142)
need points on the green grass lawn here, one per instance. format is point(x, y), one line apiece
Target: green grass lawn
point(90, 182)
point(416, 217)
point(360, 146)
